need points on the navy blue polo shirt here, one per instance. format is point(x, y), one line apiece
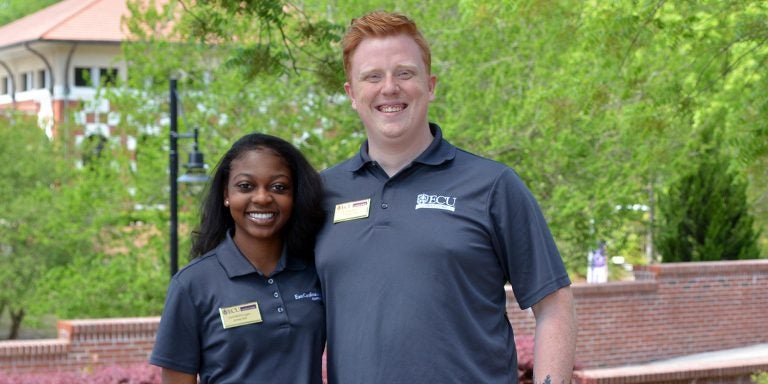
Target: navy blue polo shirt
point(285, 347)
point(414, 290)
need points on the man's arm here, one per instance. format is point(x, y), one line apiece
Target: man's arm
point(170, 376)
point(555, 340)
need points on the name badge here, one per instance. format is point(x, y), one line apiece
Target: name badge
point(238, 315)
point(352, 210)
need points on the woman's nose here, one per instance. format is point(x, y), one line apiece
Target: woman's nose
point(261, 196)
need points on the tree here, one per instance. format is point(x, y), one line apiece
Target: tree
point(44, 222)
point(589, 102)
point(706, 216)
point(593, 103)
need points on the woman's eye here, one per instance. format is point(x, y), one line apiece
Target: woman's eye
point(244, 186)
point(280, 187)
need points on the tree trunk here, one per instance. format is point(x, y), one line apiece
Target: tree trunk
point(16, 318)
point(650, 250)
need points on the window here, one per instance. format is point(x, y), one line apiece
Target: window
point(42, 79)
point(5, 87)
point(27, 81)
point(108, 76)
point(88, 77)
point(82, 77)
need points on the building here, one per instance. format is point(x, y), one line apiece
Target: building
point(52, 61)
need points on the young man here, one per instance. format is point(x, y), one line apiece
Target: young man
point(423, 236)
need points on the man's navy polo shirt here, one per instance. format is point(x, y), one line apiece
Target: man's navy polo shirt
point(415, 291)
point(286, 347)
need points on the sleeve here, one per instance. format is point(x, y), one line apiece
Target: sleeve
point(523, 243)
point(177, 345)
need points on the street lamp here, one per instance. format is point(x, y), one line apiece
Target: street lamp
point(195, 173)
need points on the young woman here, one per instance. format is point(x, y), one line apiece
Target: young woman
point(248, 308)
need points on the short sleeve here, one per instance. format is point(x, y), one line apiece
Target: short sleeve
point(523, 241)
point(177, 345)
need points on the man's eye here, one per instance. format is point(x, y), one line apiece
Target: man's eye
point(373, 78)
point(405, 75)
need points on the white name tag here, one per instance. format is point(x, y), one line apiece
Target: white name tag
point(238, 315)
point(352, 210)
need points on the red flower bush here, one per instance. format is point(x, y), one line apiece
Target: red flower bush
point(524, 359)
point(133, 374)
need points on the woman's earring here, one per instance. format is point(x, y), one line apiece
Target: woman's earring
point(226, 203)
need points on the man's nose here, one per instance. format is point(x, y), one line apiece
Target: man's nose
point(390, 85)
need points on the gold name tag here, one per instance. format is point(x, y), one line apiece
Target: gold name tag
point(352, 210)
point(238, 315)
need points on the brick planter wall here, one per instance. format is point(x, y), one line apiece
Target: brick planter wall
point(82, 345)
point(675, 309)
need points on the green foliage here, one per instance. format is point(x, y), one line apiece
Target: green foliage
point(706, 216)
point(264, 38)
point(95, 286)
point(45, 220)
point(760, 378)
point(593, 103)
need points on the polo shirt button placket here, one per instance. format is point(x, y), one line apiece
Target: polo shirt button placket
point(276, 294)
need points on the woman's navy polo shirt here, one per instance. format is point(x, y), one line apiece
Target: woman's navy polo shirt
point(285, 347)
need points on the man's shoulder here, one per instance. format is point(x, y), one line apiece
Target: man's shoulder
point(480, 162)
point(343, 167)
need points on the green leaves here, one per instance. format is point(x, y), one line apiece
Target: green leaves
point(706, 216)
point(597, 105)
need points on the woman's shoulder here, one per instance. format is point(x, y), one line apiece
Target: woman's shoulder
point(198, 265)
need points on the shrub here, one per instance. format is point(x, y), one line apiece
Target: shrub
point(133, 374)
point(760, 378)
point(705, 215)
point(524, 359)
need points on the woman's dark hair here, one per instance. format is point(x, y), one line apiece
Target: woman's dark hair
point(308, 214)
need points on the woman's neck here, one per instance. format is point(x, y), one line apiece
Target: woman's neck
point(263, 255)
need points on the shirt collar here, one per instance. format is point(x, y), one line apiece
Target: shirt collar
point(438, 152)
point(236, 264)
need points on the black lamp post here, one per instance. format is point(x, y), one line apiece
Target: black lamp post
point(195, 173)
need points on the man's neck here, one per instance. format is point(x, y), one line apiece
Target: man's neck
point(392, 157)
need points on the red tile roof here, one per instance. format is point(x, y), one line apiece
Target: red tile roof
point(70, 20)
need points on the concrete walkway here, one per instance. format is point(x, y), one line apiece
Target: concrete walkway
point(723, 364)
point(744, 353)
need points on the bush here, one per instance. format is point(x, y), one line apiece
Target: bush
point(760, 378)
point(705, 215)
point(524, 359)
point(133, 374)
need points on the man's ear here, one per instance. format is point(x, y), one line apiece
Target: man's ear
point(432, 83)
point(350, 94)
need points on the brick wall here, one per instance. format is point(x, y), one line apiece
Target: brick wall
point(669, 310)
point(674, 309)
point(82, 345)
